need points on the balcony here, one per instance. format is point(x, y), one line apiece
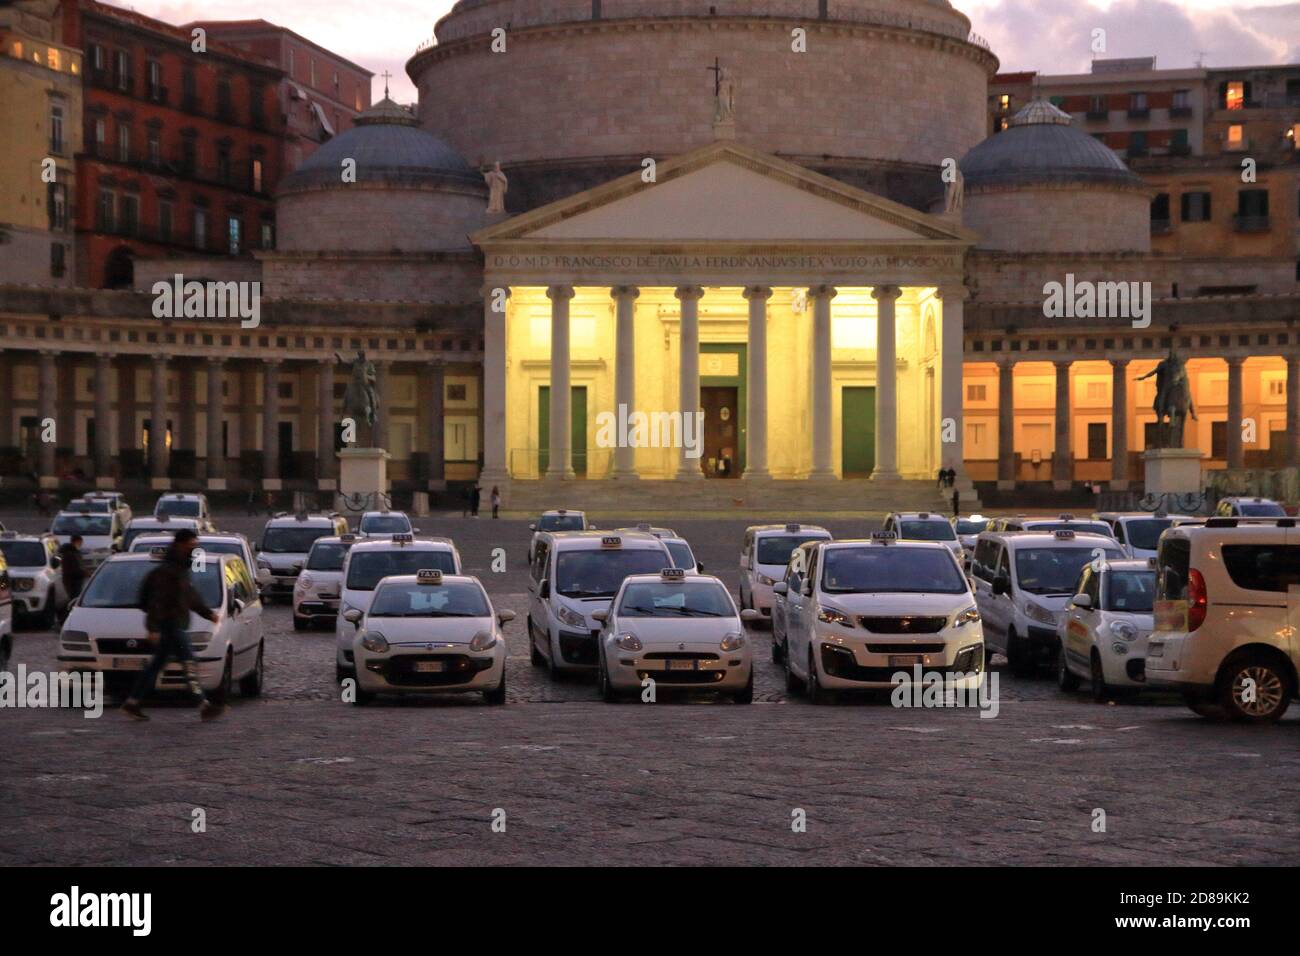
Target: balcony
point(1137, 152)
point(1139, 113)
point(234, 177)
point(1097, 116)
point(1252, 224)
point(1180, 112)
point(157, 94)
point(1180, 149)
point(1161, 227)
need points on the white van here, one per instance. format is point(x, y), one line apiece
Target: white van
point(1138, 532)
point(1024, 581)
point(763, 558)
point(1227, 617)
point(101, 534)
point(573, 575)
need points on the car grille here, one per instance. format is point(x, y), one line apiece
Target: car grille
point(904, 625)
point(906, 648)
point(457, 669)
point(119, 645)
point(682, 677)
point(680, 656)
point(579, 648)
point(839, 662)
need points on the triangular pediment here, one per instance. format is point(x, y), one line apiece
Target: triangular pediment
point(726, 193)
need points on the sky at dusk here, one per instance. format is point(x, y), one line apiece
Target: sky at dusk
point(1051, 36)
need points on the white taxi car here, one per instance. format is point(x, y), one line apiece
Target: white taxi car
point(286, 539)
point(370, 561)
point(1062, 522)
point(683, 556)
point(679, 630)
point(106, 502)
point(575, 574)
point(793, 581)
point(34, 578)
point(1227, 615)
point(646, 528)
point(763, 557)
point(429, 633)
point(101, 534)
point(1104, 629)
point(968, 529)
point(6, 616)
point(379, 523)
point(319, 588)
point(105, 629)
point(868, 611)
point(923, 526)
point(1023, 582)
point(1138, 532)
point(181, 505)
point(561, 519)
point(159, 525)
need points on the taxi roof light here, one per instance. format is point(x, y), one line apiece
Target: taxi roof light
point(1063, 534)
point(403, 538)
point(428, 576)
point(884, 537)
point(158, 551)
point(611, 541)
point(673, 574)
point(792, 526)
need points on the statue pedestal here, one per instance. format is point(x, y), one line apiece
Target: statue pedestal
point(363, 471)
point(1174, 471)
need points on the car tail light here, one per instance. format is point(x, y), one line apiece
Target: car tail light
point(1197, 600)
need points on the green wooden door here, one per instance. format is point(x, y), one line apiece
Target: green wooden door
point(858, 431)
point(578, 433)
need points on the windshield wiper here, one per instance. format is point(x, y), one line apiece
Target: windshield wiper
point(587, 594)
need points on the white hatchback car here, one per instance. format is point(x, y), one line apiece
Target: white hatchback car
point(381, 523)
point(561, 519)
point(1103, 632)
point(429, 633)
point(868, 611)
point(1227, 617)
point(105, 502)
point(286, 539)
point(101, 534)
point(216, 542)
point(683, 556)
point(1138, 532)
point(1240, 507)
point(160, 525)
point(181, 505)
point(679, 630)
point(319, 589)
point(923, 526)
point(370, 561)
point(34, 577)
point(763, 557)
point(105, 630)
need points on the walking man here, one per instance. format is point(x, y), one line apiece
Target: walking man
point(72, 567)
point(167, 599)
point(496, 501)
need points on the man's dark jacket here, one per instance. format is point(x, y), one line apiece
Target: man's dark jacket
point(72, 567)
point(167, 596)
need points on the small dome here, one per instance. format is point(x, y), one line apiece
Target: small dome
point(388, 146)
point(1042, 146)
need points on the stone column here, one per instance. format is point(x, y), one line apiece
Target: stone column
point(756, 386)
point(1236, 454)
point(186, 435)
point(495, 456)
point(1062, 461)
point(216, 406)
point(886, 382)
point(271, 425)
point(823, 406)
point(103, 450)
point(437, 434)
point(249, 402)
point(1119, 424)
point(1006, 424)
point(48, 427)
point(688, 375)
point(379, 434)
point(326, 463)
point(158, 452)
point(561, 450)
point(1293, 410)
point(625, 297)
point(952, 350)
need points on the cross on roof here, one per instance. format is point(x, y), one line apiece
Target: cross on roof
point(387, 76)
point(716, 70)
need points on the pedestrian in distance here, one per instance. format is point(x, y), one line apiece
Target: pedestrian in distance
point(475, 497)
point(956, 503)
point(496, 501)
point(72, 568)
point(943, 477)
point(167, 598)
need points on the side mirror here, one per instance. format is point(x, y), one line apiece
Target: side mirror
point(545, 590)
point(264, 577)
point(55, 562)
point(780, 588)
point(1083, 601)
point(749, 615)
point(601, 616)
point(1001, 585)
point(415, 531)
point(532, 527)
point(699, 566)
point(352, 616)
point(505, 617)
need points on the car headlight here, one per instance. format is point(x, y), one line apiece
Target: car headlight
point(1036, 612)
point(733, 641)
point(199, 640)
point(829, 615)
point(75, 640)
point(969, 616)
point(304, 582)
point(629, 642)
point(764, 579)
point(572, 618)
point(483, 640)
point(1124, 630)
point(375, 642)
point(23, 584)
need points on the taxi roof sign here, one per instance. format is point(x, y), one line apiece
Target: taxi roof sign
point(884, 537)
point(673, 574)
point(923, 515)
point(792, 526)
point(643, 526)
point(1067, 517)
point(159, 550)
point(428, 576)
point(611, 541)
point(404, 538)
point(1064, 533)
point(347, 538)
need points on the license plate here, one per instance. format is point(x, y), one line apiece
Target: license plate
point(681, 665)
point(129, 663)
point(429, 667)
point(906, 660)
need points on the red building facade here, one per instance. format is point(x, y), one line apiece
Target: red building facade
point(183, 148)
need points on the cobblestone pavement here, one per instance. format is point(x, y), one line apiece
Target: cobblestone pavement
point(300, 777)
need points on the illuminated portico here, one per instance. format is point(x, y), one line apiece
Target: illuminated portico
point(738, 286)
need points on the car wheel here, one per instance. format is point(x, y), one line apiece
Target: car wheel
point(6, 648)
point(1101, 691)
point(362, 697)
point(251, 685)
point(342, 673)
point(48, 616)
point(301, 623)
point(222, 693)
point(1254, 689)
point(778, 649)
point(816, 693)
point(497, 696)
point(792, 683)
point(746, 696)
point(1019, 658)
point(534, 655)
point(607, 692)
point(1065, 678)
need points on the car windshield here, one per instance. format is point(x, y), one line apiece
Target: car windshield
point(600, 573)
point(1144, 533)
point(84, 525)
point(209, 547)
point(662, 599)
point(926, 531)
point(99, 506)
point(1055, 570)
point(561, 523)
point(1133, 591)
point(368, 568)
point(966, 526)
point(327, 557)
point(681, 552)
point(1261, 510)
point(117, 584)
point(776, 549)
point(890, 569)
point(180, 507)
point(131, 534)
point(385, 524)
point(1096, 527)
point(452, 599)
point(291, 540)
point(24, 554)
